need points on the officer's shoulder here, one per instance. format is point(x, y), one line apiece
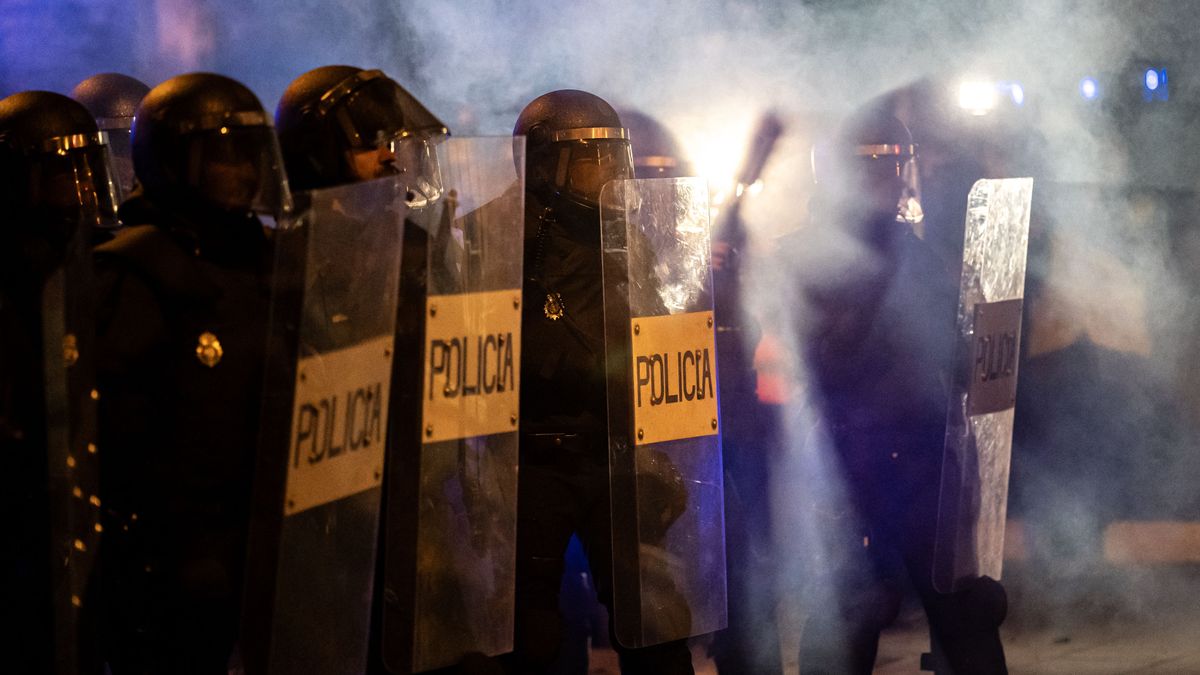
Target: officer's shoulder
point(156, 258)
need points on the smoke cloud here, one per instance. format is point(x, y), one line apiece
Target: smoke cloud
point(1112, 259)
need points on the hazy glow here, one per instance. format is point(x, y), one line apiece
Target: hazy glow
point(977, 97)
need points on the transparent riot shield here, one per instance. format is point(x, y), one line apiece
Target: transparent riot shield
point(974, 490)
point(451, 497)
point(321, 451)
point(668, 533)
point(48, 437)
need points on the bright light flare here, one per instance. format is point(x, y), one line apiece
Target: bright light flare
point(1151, 79)
point(1088, 88)
point(977, 97)
point(718, 160)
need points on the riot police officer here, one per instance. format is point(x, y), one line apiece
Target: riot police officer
point(181, 330)
point(56, 187)
point(879, 343)
point(113, 98)
point(575, 144)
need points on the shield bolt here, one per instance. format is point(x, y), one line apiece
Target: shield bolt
point(95, 394)
point(512, 419)
point(637, 329)
point(641, 434)
point(291, 503)
point(429, 430)
point(378, 474)
point(76, 602)
point(517, 302)
point(303, 376)
point(714, 423)
point(387, 353)
point(433, 310)
point(91, 448)
point(70, 461)
point(70, 349)
point(709, 322)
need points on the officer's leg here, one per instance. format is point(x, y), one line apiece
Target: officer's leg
point(545, 520)
point(856, 591)
point(964, 627)
point(750, 644)
point(844, 619)
point(670, 658)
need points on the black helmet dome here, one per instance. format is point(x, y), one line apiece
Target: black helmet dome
point(575, 143)
point(112, 98)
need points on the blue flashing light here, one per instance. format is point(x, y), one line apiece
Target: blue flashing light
point(1018, 93)
point(1154, 84)
point(1089, 88)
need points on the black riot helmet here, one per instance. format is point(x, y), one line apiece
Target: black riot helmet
point(113, 99)
point(204, 139)
point(574, 145)
point(872, 166)
point(55, 172)
point(340, 124)
point(656, 151)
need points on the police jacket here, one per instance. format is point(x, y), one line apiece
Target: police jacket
point(562, 327)
point(182, 318)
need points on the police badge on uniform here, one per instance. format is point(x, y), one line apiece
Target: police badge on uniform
point(553, 307)
point(209, 350)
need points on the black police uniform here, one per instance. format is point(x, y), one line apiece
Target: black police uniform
point(882, 356)
point(182, 330)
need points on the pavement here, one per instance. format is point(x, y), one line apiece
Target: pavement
point(1115, 621)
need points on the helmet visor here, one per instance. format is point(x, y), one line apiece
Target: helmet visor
point(585, 166)
point(75, 178)
point(370, 115)
point(121, 153)
point(239, 168)
point(876, 178)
